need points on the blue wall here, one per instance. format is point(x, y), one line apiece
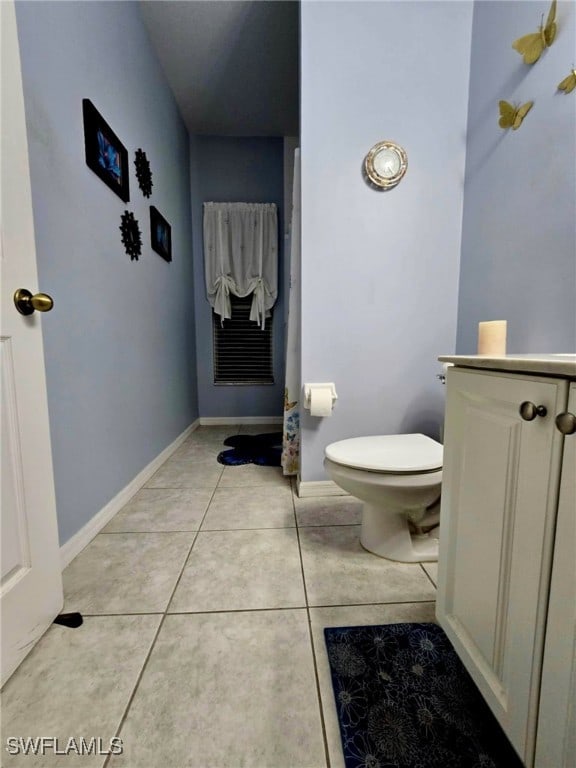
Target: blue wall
point(519, 233)
point(248, 170)
point(380, 269)
point(119, 344)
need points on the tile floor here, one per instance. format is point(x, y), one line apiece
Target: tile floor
point(204, 601)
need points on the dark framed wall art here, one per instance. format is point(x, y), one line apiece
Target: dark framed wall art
point(105, 153)
point(160, 234)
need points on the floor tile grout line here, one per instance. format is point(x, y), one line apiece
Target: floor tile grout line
point(138, 679)
point(311, 637)
point(238, 487)
point(258, 610)
point(364, 605)
point(429, 577)
point(160, 625)
point(220, 476)
point(211, 458)
point(318, 689)
point(230, 530)
point(116, 615)
point(204, 530)
point(239, 610)
point(190, 550)
point(145, 664)
point(135, 533)
point(175, 487)
point(329, 525)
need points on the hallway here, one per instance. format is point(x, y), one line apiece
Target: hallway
point(204, 601)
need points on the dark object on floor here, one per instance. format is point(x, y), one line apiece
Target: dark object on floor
point(264, 450)
point(72, 620)
point(404, 700)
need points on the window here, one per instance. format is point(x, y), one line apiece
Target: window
point(242, 350)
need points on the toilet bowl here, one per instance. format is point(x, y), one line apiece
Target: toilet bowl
point(398, 477)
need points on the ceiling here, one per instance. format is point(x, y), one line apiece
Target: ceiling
point(233, 65)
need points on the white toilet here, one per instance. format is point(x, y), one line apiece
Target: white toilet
point(398, 477)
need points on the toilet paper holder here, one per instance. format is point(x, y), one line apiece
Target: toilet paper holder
point(308, 392)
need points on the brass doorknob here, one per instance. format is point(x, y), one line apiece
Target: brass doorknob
point(566, 423)
point(26, 303)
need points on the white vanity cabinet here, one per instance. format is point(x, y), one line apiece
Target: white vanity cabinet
point(507, 573)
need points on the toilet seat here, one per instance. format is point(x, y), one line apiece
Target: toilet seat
point(394, 454)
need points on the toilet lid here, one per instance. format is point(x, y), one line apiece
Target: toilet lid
point(388, 453)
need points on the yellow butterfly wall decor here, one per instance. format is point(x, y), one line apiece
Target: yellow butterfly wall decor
point(531, 46)
point(510, 116)
point(569, 83)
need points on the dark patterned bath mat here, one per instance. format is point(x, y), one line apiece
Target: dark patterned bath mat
point(404, 700)
point(265, 450)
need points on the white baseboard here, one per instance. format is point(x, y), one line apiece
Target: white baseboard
point(318, 488)
point(84, 536)
point(213, 421)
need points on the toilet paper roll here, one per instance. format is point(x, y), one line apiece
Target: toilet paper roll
point(492, 337)
point(321, 401)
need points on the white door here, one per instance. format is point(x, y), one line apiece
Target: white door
point(31, 580)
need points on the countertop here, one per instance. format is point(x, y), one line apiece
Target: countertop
point(551, 364)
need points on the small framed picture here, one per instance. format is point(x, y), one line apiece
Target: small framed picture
point(105, 153)
point(160, 234)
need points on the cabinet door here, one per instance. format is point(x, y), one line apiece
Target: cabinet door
point(499, 497)
point(556, 744)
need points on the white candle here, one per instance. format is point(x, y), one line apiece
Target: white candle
point(492, 337)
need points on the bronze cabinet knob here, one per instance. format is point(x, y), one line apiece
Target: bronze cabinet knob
point(529, 411)
point(566, 423)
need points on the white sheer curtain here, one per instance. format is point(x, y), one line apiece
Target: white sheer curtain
point(291, 434)
point(241, 256)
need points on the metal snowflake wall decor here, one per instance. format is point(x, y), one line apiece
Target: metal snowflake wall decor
point(143, 173)
point(131, 235)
